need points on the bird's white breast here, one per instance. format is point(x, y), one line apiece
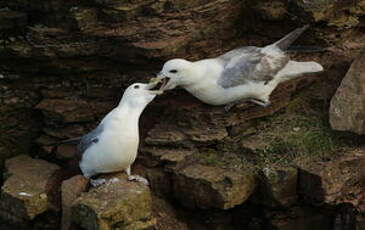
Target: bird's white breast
point(115, 150)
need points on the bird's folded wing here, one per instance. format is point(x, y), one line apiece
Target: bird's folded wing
point(88, 140)
point(249, 64)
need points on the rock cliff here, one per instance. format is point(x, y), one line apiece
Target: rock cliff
point(64, 64)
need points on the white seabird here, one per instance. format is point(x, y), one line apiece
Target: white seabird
point(244, 74)
point(112, 146)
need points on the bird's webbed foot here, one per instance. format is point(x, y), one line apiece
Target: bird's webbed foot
point(97, 182)
point(101, 181)
point(138, 179)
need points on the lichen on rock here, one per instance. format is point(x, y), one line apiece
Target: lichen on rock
point(118, 204)
point(24, 194)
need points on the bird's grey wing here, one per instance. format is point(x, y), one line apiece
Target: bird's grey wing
point(249, 64)
point(88, 140)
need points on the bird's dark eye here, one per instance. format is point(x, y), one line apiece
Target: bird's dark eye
point(136, 86)
point(173, 71)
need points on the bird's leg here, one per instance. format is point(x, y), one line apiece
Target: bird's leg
point(136, 177)
point(229, 106)
point(261, 103)
point(128, 171)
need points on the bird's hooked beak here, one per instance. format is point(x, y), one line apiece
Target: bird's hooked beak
point(150, 87)
point(167, 83)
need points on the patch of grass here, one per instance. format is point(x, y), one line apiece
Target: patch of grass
point(298, 134)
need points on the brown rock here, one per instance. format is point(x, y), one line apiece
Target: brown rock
point(71, 189)
point(24, 194)
point(335, 13)
point(300, 218)
point(279, 186)
point(160, 182)
point(167, 217)
point(171, 156)
point(212, 187)
point(347, 111)
point(65, 110)
point(271, 10)
point(123, 204)
point(66, 151)
point(12, 19)
point(334, 182)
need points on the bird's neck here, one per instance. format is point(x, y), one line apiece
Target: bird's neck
point(124, 116)
point(195, 75)
point(129, 110)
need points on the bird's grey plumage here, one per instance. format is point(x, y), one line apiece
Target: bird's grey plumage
point(89, 139)
point(253, 63)
point(248, 64)
point(243, 74)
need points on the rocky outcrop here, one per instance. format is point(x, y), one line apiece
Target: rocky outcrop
point(342, 14)
point(335, 182)
point(347, 111)
point(199, 186)
point(24, 194)
point(71, 189)
point(63, 65)
point(279, 187)
point(118, 204)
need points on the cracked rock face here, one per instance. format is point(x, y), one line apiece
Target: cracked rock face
point(64, 64)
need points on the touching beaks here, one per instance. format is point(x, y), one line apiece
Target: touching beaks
point(152, 85)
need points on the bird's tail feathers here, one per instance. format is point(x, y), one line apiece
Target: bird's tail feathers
point(286, 41)
point(74, 140)
point(294, 69)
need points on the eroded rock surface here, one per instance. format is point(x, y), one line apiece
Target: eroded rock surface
point(347, 111)
point(212, 187)
point(63, 65)
point(118, 204)
point(335, 182)
point(71, 189)
point(279, 186)
point(24, 193)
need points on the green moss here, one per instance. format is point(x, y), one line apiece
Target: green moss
point(209, 157)
point(300, 132)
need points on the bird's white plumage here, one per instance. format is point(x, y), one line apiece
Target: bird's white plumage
point(117, 146)
point(246, 73)
point(113, 145)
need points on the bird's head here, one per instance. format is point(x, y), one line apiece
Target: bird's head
point(140, 95)
point(178, 72)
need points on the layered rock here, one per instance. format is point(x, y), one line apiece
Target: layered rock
point(63, 65)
